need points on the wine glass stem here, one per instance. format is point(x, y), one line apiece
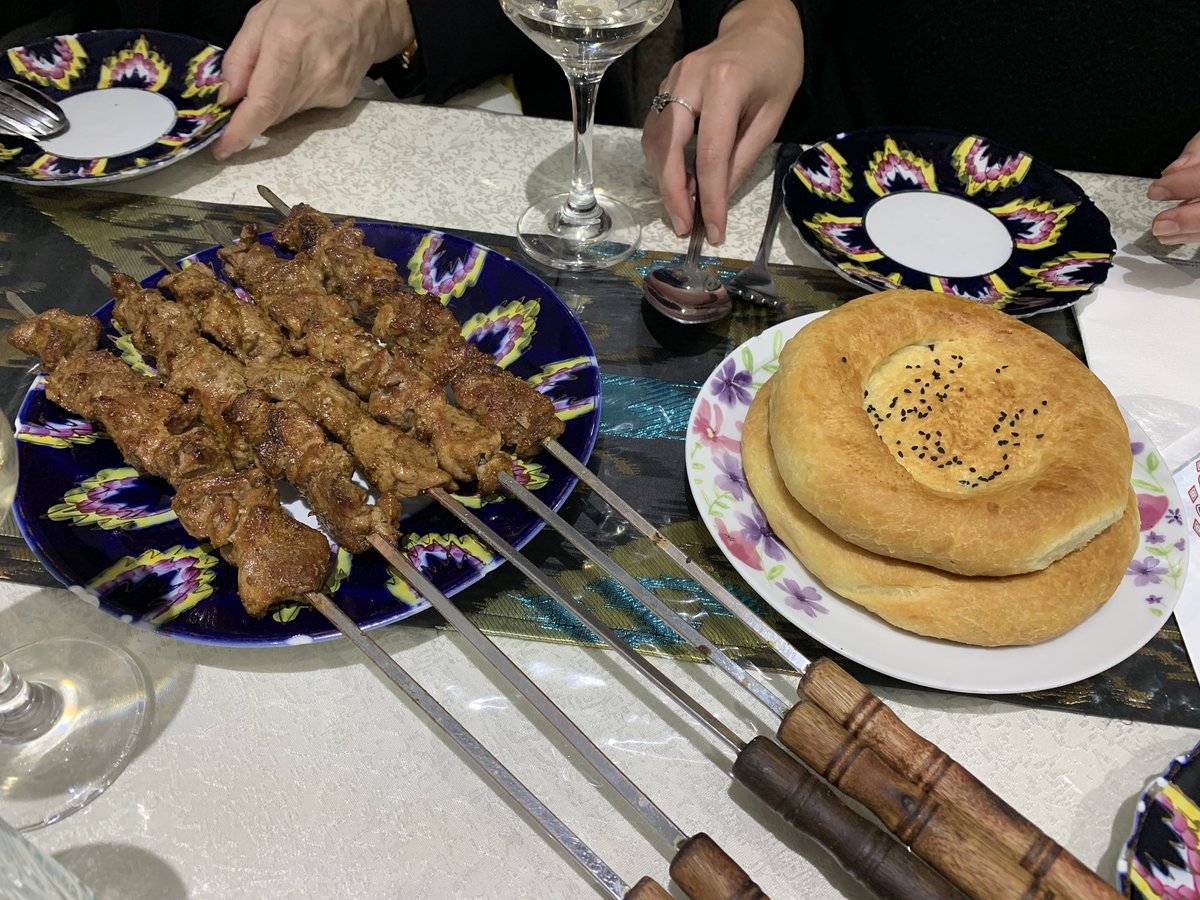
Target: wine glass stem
point(27, 711)
point(581, 207)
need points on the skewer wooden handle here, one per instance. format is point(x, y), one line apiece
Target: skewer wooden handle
point(865, 716)
point(863, 849)
point(706, 872)
point(942, 835)
point(648, 889)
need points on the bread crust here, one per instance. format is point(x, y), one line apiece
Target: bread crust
point(937, 430)
point(985, 611)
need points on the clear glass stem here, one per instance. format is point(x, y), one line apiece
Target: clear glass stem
point(27, 711)
point(581, 207)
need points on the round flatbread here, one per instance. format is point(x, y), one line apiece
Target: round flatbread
point(986, 611)
point(934, 429)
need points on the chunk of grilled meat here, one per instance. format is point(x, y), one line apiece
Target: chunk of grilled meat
point(420, 326)
point(139, 414)
point(242, 328)
point(194, 367)
point(397, 390)
point(291, 444)
point(54, 335)
point(391, 461)
point(277, 558)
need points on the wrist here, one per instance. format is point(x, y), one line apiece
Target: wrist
point(399, 35)
point(772, 14)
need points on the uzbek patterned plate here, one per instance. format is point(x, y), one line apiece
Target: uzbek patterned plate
point(110, 535)
point(949, 212)
point(136, 101)
point(1137, 610)
point(1161, 860)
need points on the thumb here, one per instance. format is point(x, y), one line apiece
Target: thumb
point(241, 57)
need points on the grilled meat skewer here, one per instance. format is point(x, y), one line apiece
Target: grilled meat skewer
point(238, 512)
point(397, 390)
point(421, 327)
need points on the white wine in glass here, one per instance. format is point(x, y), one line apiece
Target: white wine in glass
point(583, 229)
point(70, 711)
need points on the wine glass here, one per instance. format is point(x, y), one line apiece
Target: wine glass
point(71, 711)
point(582, 229)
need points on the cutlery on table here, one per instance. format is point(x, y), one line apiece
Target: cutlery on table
point(28, 113)
point(754, 283)
point(686, 292)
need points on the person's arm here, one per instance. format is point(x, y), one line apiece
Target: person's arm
point(292, 55)
point(1180, 181)
point(740, 85)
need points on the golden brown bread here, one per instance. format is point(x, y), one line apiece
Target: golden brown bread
point(937, 430)
point(987, 611)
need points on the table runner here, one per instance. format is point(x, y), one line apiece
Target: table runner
point(652, 370)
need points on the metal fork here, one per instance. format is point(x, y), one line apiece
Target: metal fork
point(754, 283)
point(28, 113)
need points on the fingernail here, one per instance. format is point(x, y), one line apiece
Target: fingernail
point(713, 233)
point(1165, 227)
point(1184, 159)
point(677, 226)
point(223, 93)
point(1158, 192)
point(220, 154)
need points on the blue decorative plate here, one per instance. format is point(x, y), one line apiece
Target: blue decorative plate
point(949, 212)
point(109, 533)
point(1161, 860)
point(135, 100)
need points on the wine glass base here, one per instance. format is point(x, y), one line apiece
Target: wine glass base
point(104, 703)
point(555, 241)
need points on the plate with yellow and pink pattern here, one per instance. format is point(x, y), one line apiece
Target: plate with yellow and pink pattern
point(135, 101)
point(950, 212)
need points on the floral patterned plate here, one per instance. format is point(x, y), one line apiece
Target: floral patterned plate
point(1141, 604)
point(949, 212)
point(136, 101)
point(110, 535)
point(1161, 860)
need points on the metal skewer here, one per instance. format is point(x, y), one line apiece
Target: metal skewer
point(838, 719)
point(866, 851)
point(551, 825)
point(699, 865)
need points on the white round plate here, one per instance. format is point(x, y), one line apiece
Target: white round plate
point(1138, 609)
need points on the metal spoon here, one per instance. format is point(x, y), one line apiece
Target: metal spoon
point(687, 293)
point(754, 283)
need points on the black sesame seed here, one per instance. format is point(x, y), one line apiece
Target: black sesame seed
point(995, 428)
point(843, 359)
point(1002, 443)
point(1040, 436)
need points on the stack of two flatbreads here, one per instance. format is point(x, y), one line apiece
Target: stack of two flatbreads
point(947, 467)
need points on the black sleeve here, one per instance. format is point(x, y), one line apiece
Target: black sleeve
point(465, 42)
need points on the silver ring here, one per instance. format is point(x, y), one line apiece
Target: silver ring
point(661, 100)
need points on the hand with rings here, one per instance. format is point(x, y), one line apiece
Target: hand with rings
point(738, 88)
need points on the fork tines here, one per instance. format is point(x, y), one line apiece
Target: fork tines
point(29, 112)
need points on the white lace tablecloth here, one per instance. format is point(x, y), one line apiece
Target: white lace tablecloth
point(298, 772)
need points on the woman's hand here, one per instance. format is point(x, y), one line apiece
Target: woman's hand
point(1180, 181)
point(292, 55)
point(740, 86)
